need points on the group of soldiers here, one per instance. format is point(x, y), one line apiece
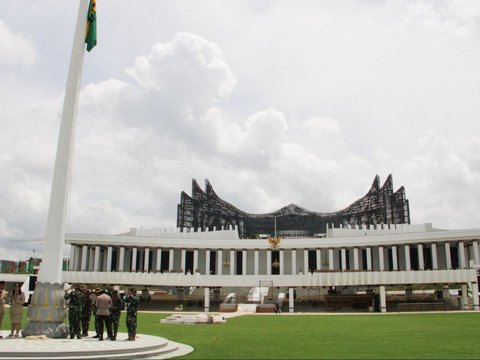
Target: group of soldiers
point(106, 306)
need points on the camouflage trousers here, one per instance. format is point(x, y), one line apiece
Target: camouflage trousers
point(96, 322)
point(74, 319)
point(114, 320)
point(86, 315)
point(132, 325)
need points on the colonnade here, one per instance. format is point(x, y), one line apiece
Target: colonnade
point(267, 261)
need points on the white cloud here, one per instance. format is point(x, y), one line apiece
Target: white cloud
point(6, 231)
point(443, 176)
point(290, 102)
point(451, 17)
point(15, 48)
point(188, 69)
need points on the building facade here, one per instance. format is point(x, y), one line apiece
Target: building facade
point(355, 258)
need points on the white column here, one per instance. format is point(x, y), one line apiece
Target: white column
point(294, 262)
point(96, 260)
point(381, 259)
point(158, 266)
point(383, 300)
point(461, 255)
point(207, 262)
point(369, 258)
point(434, 256)
point(476, 253)
point(290, 300)
point(475, 296)
point(344, 258)
point(207, 297)
point(219, 262)
point(170, 260)
point(232, 262)
point(183, 265)
point(319, 259)
point(109, 259)
point(269, 262)
point(282, 257)
point(355, 259)
point(74, 257)
point(448, 256)
point(394, 259)
point(195, 261)
point(421, 263)
point(255, 260)
point(134, 260)
point(146, 260)
point(305, 261)
point(446, 292)
point(408, 293)
point(121, 259)
point(330, 259)
point(408, 265)
point(73, 253)
point(464, 297)
point(244, 262)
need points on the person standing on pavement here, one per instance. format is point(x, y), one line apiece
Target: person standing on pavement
point(86, 311)
point(75, 305)
point(93, 297)
point(103, 303)
point(3, 297)
point(115, 312)
point(16, 310)
point(131, 301)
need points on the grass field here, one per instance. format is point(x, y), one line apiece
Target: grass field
point(396, 336)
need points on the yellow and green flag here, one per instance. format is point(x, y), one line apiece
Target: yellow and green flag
point(91, 38)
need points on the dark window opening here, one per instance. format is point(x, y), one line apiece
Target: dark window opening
point(165, 260)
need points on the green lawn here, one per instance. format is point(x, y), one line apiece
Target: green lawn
point(406, 336)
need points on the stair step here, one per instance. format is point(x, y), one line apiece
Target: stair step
point(145, 347)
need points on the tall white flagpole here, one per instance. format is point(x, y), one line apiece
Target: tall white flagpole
point(52, 259)
point(46, 309)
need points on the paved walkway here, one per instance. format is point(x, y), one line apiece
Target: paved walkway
point(144, 347)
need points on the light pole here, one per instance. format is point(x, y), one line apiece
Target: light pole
point(275, 226)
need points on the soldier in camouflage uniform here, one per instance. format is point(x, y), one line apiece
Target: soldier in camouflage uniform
point(93, 299)
point(75, 305)
point(131, 301)
point(115, 312)
point(86, 312)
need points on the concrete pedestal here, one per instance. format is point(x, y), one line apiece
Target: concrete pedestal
point(46, 312)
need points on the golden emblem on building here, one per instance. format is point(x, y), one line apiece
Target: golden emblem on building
point(274, 241)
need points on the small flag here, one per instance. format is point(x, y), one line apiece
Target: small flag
point(91, 38)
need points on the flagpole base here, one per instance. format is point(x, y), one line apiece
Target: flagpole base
point(46, 312)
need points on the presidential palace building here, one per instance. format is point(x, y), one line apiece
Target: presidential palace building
point(367, 257)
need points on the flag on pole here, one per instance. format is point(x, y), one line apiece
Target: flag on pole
point(91, 38)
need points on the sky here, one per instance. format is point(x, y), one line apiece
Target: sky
point(273, 101)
